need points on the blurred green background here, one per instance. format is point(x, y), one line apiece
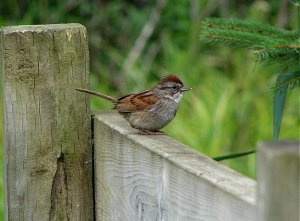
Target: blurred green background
point(133, 43)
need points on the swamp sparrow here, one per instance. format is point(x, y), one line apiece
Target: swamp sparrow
point(150, 110)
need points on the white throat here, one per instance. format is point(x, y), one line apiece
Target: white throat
point(176, 97)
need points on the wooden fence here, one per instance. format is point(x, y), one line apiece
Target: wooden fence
point(53, 172)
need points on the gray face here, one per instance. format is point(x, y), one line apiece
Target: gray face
point(171, 90)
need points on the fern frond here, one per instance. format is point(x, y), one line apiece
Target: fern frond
point(287, 80)
point(269, 44)
point(283, 56)
point(250, 27)
point(240, 39)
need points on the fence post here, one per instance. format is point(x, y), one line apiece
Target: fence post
point(46, 124)
point(278, 181)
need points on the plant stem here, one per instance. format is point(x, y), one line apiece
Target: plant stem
point(234, 155)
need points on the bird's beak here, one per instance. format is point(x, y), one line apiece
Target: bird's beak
point(183, 89)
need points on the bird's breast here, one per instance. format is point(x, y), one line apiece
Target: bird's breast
point(155, 117)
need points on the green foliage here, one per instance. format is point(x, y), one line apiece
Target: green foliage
point(269, 44)
point(284, 81)
point(287, 80)
point(243, 26)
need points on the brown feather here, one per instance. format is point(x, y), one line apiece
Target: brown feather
point(136, 102)
point(171, 78)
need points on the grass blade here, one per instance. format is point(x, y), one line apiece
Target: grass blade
point(234, 155)
point(279, 101)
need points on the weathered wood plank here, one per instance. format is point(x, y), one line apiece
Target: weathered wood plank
point(278, 178)
point(46, 125)
point(156, 178)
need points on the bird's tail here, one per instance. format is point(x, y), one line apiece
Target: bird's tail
point(103, 96)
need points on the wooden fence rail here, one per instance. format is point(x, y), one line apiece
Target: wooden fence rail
point(156, 178)
point(52, 174)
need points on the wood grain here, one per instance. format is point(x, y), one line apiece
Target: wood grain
point(46, 125)
point(140, 177)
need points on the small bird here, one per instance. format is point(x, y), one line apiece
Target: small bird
point(150, 110)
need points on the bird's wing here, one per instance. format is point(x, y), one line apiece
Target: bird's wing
point(136, 102)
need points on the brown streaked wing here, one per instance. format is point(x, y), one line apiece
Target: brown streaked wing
point(136, 102)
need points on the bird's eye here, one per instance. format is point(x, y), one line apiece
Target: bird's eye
point(174, 87)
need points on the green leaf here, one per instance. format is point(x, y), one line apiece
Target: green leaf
point(290, 80)
point(279, 100)
point(234, 155)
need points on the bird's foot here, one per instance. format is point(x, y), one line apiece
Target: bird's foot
point(149, 132)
